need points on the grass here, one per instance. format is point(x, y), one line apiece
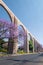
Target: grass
point(3, 54)
point(20, 52)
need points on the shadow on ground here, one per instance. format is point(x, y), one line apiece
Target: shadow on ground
point(31, 60)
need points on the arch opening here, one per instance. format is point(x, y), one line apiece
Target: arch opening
point(21, 40)
point(4, 13)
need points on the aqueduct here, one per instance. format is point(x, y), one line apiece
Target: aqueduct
point(12, 29)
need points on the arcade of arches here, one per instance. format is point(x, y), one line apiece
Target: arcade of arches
point(15, 32)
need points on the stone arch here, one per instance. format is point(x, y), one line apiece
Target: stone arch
point(10, 13)
point(4, 15)
point(26, 47)
point(6, 11)
point(22, 27)
point(20, 37)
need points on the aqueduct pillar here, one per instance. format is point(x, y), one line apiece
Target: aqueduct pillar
point(26, 44)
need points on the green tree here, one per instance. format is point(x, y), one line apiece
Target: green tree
point(30, 45)
point(1, 42)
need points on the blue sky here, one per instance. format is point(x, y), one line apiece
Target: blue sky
point(30, 13)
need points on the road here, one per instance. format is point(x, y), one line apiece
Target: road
point(29, 59)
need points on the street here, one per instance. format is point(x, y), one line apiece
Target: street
point(29, 59)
